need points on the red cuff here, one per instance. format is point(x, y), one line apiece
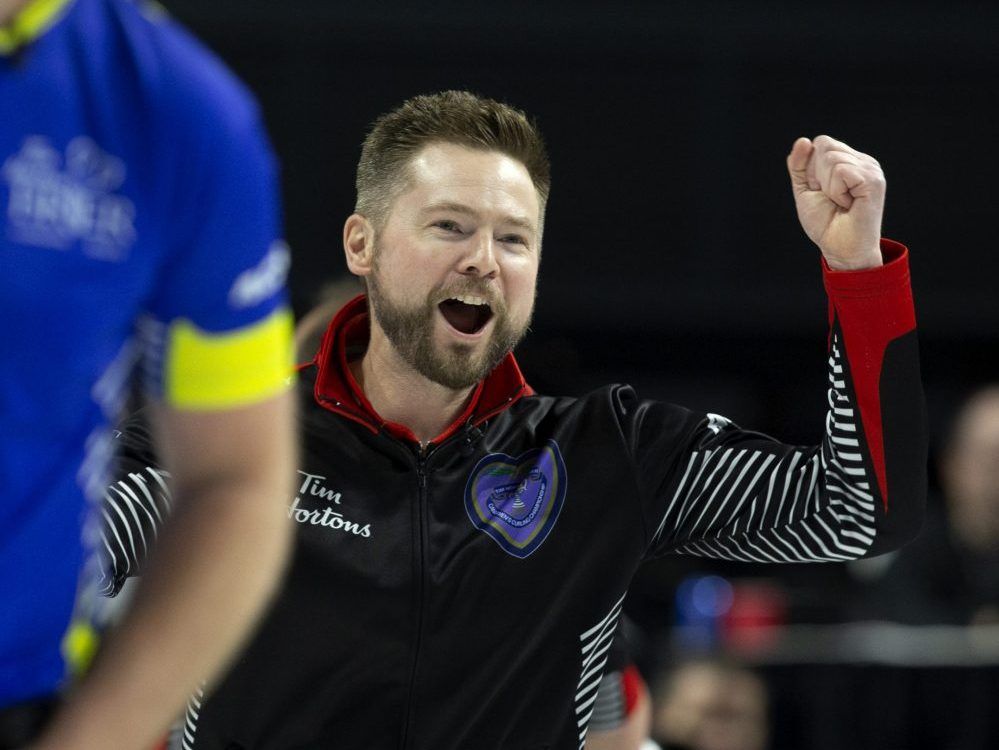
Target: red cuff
point(870, 281)
point(889, 309)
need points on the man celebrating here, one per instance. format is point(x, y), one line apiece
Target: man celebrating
point(464, 544)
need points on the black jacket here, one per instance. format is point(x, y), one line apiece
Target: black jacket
point(465, 596)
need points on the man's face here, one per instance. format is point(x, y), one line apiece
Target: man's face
point(455, 266)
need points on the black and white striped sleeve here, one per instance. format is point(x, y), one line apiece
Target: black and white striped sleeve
point(133, 510)
point(737, 495)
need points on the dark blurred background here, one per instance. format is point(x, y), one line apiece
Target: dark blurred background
point(673, 258)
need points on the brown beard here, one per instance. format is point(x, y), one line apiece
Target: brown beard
point(410, 330)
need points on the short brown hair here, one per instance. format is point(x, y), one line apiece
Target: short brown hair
point(457, 117)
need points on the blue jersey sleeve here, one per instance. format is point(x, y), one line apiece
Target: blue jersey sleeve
point(218, 331)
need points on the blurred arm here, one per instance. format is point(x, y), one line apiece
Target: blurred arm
point(215, 567)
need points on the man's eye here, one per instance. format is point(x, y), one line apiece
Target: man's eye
point(447, 226)
point(513, 239)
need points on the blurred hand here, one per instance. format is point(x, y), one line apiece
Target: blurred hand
point(840, 195)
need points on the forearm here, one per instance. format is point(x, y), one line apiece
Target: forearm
point(215, 566)
point(214, 569)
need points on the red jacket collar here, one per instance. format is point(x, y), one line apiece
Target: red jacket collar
point(336, 389)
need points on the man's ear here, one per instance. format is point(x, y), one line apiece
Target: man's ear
point(359, 244)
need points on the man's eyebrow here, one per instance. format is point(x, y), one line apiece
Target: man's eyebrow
point(461, 208)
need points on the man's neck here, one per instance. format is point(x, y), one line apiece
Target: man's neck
point(10, 8)
point(400, 394)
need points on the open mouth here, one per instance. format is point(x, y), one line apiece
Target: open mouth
point(466, 313)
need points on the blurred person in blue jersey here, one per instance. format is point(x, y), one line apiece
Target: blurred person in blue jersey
point(134, 170)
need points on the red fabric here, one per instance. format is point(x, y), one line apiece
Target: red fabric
point(872, 307)
point(633, 686)
point(337, 389)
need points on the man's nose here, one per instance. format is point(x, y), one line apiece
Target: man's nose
point(480, 259)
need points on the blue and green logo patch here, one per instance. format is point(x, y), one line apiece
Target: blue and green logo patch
point(517, 501)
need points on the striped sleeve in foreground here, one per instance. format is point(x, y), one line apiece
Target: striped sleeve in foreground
point(767, 502)
point(133, 510)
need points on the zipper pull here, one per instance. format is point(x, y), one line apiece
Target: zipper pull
point(472, 435)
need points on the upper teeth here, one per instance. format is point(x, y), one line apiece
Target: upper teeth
point(470, 299)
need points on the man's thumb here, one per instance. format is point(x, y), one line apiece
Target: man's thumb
point(797, 164)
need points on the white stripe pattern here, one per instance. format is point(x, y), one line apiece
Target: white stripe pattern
point(769, 503)
point(609, 710)
point(594, 644)
point(134, 508)
point(190, 727)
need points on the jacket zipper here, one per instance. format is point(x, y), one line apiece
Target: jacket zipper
point(472, 435)
point(421, 472)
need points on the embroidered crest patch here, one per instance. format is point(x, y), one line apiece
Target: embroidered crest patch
point(516, 501)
